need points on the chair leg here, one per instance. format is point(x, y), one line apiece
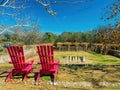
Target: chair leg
point(52, 78)
point(55, 75)
point(25, 76)
point(38, 77)
point(9, 76)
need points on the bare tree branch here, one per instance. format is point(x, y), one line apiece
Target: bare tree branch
point(4, 2)
point(43, 4)
point(47, 4)
point(69, 2)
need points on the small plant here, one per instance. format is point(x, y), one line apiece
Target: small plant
point(63, 57)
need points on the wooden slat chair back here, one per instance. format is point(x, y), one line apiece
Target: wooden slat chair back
point(48, 65)
point(18, 60)
point(46, 56)
point(17, 56)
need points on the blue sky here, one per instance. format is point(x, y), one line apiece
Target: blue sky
point(78, 17)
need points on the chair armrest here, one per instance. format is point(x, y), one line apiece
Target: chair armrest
point(30, 62)
point(57, 61)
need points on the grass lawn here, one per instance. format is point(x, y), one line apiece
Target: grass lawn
point(91, 57)
point(98, 72)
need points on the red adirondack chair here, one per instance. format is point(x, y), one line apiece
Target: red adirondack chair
point(48, 66)
point(18, 60)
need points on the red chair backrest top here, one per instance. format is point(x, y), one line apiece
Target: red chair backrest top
point(46, 56)
point(17, 56)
